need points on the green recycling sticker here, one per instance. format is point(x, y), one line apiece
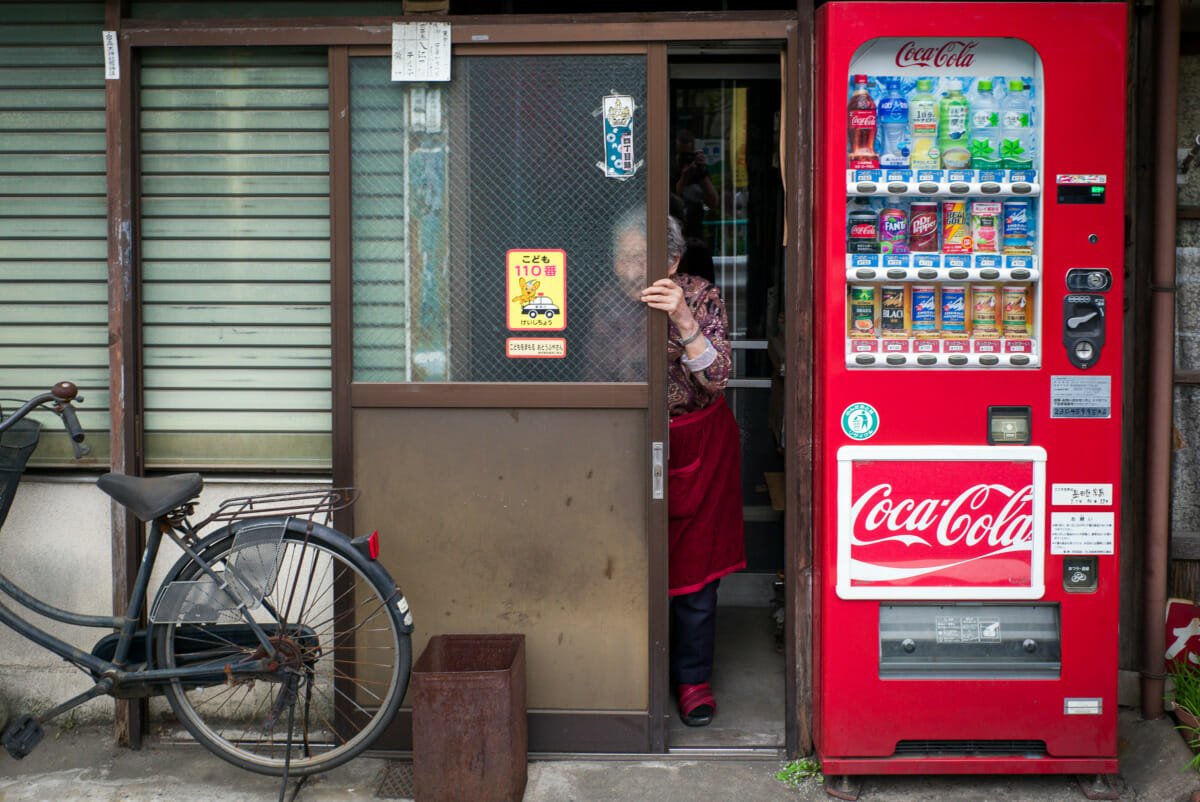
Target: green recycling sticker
point(860, 421)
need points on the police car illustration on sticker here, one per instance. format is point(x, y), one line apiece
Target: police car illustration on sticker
point(860, 421)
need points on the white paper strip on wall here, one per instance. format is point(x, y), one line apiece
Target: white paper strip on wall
point(420, 51)
point(112, 61)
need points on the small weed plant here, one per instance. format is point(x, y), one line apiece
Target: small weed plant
point(1186, 678)
point(796, 772)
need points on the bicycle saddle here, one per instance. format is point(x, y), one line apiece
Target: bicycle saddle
point(150, 498)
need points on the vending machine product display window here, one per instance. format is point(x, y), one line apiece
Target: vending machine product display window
point(943, 191)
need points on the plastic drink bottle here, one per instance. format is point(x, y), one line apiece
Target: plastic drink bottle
point(893, 118)
point(1016, 127)
point(862, 228)
point(861, 116)
point(985, 130)
point(923, 126)
point(953, 123)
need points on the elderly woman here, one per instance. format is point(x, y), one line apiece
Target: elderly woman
point(704, 474)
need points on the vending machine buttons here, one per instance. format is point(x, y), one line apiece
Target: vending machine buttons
point(989, 188)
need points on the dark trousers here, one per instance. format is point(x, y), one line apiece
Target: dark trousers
point(693, 635)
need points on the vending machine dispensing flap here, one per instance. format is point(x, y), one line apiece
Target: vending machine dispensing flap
point(969, 640)
point(1083, 328)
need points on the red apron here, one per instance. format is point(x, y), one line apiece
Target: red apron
point(704, 498)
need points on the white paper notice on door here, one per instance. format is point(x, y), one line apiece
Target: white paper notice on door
point(1082, 533)
point(420, 51)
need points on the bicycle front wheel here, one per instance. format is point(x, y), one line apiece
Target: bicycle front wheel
point(343, 655)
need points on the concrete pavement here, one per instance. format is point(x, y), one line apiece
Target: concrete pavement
point(83, 764)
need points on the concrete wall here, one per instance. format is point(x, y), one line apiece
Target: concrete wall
point(56, 545)
point(1185, 508)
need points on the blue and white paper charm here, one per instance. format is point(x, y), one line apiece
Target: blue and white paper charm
point(619, 162)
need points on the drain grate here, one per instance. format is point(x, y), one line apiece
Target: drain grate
point(396, 781)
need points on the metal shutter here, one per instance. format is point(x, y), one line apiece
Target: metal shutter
point(53, 239)
point(235, 257)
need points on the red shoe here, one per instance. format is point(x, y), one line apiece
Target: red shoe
point(696, 704)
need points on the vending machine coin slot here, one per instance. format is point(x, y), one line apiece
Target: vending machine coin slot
point(1083, 329)
point(1089, 279)
point(1009, 425)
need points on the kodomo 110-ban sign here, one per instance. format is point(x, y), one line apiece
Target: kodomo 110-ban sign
point(953, 522)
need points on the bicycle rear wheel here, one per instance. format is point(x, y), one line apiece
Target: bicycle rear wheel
point(336, 619)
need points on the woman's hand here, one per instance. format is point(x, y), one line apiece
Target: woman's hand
point(666, 295)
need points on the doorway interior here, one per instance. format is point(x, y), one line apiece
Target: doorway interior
point(726, 101)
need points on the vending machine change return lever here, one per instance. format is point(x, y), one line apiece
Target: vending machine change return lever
point(1083, 328)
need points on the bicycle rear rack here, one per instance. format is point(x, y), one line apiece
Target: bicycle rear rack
point(307, 504)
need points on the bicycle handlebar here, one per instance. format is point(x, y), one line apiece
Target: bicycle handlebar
point(61, 395)
point(71, 422)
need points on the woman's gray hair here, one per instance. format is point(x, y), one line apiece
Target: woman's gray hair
point(675, 242)
point(635, 220)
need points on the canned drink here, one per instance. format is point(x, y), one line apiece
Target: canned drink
point(983, 309)
point(956, 228)
point(862, 310)
point(893, 230)
point(892, 320)
point(954, 310)
point(923, 227)
point(985, 226)
point(1016, 228)
point(924, 310)
point(1014, 300)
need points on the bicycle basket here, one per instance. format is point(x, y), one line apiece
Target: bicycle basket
point(16, 444)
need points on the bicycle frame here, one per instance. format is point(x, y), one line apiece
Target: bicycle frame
point(114, 673)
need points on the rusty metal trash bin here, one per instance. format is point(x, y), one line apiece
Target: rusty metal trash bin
point(469, 726)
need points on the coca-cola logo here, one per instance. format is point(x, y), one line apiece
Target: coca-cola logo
point(970, 519)
point(863, 231)
point(919, 525)
point(954, 53)
point(862, 119)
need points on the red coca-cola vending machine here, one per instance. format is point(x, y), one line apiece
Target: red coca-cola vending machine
point(970, 162)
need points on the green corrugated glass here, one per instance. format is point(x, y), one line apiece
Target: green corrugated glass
point(235, 257)
point(53, 228)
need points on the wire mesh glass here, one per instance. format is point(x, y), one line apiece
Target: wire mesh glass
point(448, 178)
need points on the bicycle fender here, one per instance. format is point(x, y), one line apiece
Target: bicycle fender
point(324, 535)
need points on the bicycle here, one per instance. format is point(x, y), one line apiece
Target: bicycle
point(280, 644)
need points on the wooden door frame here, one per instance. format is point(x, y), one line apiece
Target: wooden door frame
point(794, 33)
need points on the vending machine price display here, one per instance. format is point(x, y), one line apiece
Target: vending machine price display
point(943, 190)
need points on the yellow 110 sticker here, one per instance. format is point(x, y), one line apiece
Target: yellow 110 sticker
point(536, 290)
